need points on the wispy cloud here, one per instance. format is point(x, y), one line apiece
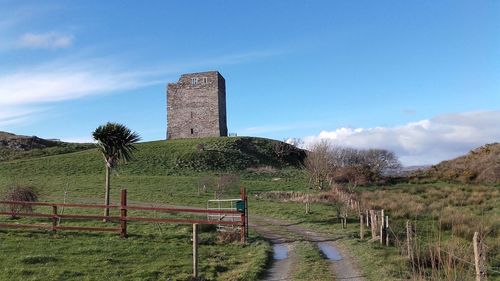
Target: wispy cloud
point(27, 92)
point(48, 40)
point(17, 115)
point(423, 142)
point(73, 82)
point(70, 79)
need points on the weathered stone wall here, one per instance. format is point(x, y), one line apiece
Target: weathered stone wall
point(196, 106)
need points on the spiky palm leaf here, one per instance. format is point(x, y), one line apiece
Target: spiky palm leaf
point(115, 142)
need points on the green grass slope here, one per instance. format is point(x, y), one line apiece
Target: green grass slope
point(163, 172)
point(173, 157)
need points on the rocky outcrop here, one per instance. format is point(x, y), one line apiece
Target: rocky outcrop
point(24, 143)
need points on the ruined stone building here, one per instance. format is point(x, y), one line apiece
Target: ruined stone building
point(196, 106)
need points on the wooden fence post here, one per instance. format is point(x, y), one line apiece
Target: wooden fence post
point(195, 250)
point(373, 223)
point(479, 257)
point(361, 227)
point(409, 247)
point(123, 214)
point(367, 219)
point(387, 231)
point(382, 226)
point(54, 218)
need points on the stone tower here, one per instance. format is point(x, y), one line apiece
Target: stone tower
point(196, 106)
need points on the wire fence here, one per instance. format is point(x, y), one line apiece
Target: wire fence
point(422, 236)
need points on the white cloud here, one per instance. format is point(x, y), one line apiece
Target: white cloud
point(49, 40)
point(424, 142)
point(27, 87)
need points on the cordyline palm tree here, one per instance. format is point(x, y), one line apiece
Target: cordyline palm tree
point(115, 142)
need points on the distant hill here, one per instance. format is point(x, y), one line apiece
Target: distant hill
point(20, 147)
point(180, 156)
point(481, 165)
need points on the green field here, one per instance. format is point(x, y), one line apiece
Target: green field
point(171, 173)
point(162, 173)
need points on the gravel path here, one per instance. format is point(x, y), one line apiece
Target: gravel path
point(278, 231)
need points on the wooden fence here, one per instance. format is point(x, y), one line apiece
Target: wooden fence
point(123, 218)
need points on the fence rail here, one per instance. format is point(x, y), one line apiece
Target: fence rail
point(122, 219)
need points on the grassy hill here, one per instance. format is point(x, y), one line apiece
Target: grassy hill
point(171, 157)
point(21, 147)
point(480, 166)
point(163, 172)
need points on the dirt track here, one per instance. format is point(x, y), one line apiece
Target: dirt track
point(278, 231)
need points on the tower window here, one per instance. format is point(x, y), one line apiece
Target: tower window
point(194, 81)
point(192, 131)
point(205, 80)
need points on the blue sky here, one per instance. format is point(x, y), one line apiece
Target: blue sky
point(421, 78)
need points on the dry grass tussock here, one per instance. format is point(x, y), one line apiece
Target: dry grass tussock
point(449, 260)
point(229, 235)
point(413, 202)
point(447, 218)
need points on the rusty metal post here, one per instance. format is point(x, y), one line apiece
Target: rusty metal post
point(123, 214)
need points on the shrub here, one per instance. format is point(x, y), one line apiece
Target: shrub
point(21, 193)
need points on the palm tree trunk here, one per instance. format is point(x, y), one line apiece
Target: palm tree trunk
point(106, 192)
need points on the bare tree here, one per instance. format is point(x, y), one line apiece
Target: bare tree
point(318, 164)
point(357, 166)
point(381, 161)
